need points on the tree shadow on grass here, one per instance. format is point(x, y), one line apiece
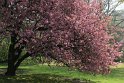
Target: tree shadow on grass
point(37, 78)
point(40, 78)
point(19, 71)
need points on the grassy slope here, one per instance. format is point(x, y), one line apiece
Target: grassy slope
point(116, 76)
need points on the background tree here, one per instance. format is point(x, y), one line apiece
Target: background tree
point(70, 31)
point(4, 45)
point(115, 28)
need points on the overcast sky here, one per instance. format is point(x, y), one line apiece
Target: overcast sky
point(120, 7)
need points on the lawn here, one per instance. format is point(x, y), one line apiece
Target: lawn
point(54, 74)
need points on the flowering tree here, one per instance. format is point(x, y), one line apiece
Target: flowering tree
point(69, 31)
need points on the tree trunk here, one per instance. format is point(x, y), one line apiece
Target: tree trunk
point(14, 64)
point(14, 59)
point(11, 71)
point(11, 55)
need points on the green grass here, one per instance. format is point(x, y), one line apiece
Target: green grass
point(54, 74)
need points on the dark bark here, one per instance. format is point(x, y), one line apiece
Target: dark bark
point(11, 54)
point(11, 70)
point(21, 59)
point(14, 59)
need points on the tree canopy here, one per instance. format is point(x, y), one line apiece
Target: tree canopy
point(70, 31)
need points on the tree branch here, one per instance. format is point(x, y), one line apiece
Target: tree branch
point(21, 59)
point(119, 23)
